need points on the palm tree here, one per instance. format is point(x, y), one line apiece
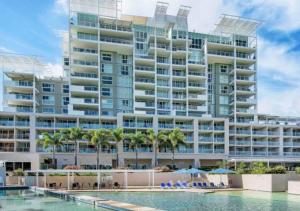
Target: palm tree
point(156, 139)
point(118, 136)
point(51, 140)
point(74, 135)
point(176, 138)
point(135, 140)
point(98, 138)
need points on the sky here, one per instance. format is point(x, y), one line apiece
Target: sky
point(33, 27)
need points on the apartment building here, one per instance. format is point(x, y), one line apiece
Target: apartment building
point(145, 72)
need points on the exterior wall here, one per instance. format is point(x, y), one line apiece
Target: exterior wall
point(294, 187)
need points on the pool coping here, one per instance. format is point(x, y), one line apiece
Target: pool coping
point(91, 200)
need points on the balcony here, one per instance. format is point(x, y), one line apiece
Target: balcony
point(219, 151)
point(205, 127)
point(165, 126)
point(85, 101)
point(6, 123)
point(206, 139)
point(219, 139)
point(243, 143)
point(84, 76)
point(144, 93)
point(144, 104)
point(184, 126)
point(198, 108)
point(22, 123)
point(219, 127)
point(259, 133)
point(7, 135)
point(65, 125)
point(258, 153)
point(243, 132)
point(85, 50)
point(7, 149)
point(45, 124)
point(89, 125)
point(243, 153)
point(197, 85)
point(23, 136)
point(291, 154)
point(260, 143)
point(144, 124)
point(202, 150)
point(119, 45)
point(198, 97)
point(145, 81)
point(274, 143)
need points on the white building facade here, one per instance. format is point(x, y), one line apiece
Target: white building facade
point(145, 72)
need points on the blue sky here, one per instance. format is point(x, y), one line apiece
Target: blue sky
point(32, 27)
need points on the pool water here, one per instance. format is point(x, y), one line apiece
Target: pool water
point(227, 201)
point(15, 200)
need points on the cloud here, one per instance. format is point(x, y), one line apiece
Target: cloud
point(6, 50)
point(279, 91)
point(52, 69)
point(61, 7)
point(282, 15)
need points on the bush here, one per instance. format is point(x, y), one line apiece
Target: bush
point(279, 170)
point(297, 169)
point(18, 172)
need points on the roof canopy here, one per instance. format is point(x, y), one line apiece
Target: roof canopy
point(237, 25)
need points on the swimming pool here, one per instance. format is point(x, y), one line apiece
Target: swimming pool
point(15, 200)
point(229, 201)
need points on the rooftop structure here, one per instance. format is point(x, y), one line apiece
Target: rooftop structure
point(147, 72)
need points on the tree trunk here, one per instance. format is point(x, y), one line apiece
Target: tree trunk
point(136, 158)
point(155, 155)
point(98, 155)
point(117, 159)
point(173, 157)
point(75, 152)
point(53, 157)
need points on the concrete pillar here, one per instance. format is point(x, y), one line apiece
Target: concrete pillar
point(197, 163)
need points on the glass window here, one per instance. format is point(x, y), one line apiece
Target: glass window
point(224, 100)
point(107, 103)
point(224, 79)
point(106, 80)
point(125, 59)
point(106, 68)
point(48, 100)
point(124, 70)
point(106, 91)
point(47, 87)
point(223, 69)
point(65, 100)
point(125, 102)
point(65, 88)
point(48, 110)
point(106, 57)
point(224, 89)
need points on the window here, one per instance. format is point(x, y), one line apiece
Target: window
point(124, 70)
point(125, 102)
point(48, 110)
point(65, 88)
point(48, 87)
point(107, 103)
point(106, 68)
point(106, 91)
point(64, 110)
point(223, 69)
point(139, 46)
point(106, 80)
point(65, 100)
point(106, 57)
point(48, 100)
point(66, 61)
point(224, 100)
point(125, 59)
point(224, 110)
point(224, 89)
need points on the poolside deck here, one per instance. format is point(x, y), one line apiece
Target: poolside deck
point(94, 201)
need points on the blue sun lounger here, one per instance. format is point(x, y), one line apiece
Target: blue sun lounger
point(163, 185)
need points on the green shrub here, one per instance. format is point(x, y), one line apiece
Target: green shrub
point(18, 172)
point(297, 169)
point(279, 170)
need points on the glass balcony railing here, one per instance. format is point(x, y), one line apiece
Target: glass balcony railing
point(221, 53)
point(84, 75)
point(6, 123)
point(115, 40)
